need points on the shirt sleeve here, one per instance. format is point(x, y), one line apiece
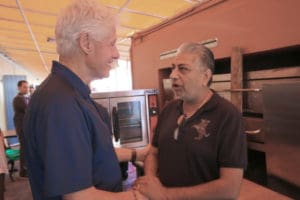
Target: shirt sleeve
point(166, 114)
point(65, 149)
point(154, 141)
point(232, 143)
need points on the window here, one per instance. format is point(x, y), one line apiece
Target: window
point(119, 79)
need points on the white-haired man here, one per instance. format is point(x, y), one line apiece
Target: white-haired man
point(68, 141)
point(199, 147)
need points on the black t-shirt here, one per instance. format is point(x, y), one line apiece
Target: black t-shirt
point(212, 138)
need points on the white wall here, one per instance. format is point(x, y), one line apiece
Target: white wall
point(7, 67)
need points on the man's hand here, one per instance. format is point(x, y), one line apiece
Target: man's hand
point(141, 154)
point(151, 187)
point(139, 196)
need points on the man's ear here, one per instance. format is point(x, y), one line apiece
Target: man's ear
point(85, 43)
point(207, 76)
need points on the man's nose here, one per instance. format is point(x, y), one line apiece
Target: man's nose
point(115, 53)
point(174, 74)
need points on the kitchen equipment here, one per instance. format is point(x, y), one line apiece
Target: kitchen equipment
point(133, 115)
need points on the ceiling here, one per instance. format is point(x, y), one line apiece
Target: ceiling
point(32, 45)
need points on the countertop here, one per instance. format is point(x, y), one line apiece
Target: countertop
point(251, 190)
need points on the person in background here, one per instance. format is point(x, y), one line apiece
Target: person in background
point(31, 90)
point(3, 166)
point(199, 147)
point(20, 103)
point(68, 140)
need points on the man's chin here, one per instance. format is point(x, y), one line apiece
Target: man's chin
point(100, 76)
point(106, 72)
point(177, 93)
point(105, 75)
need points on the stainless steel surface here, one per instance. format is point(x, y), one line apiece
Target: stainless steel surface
point(283, 72)
point(256, 79)
point(129, 113)
point(241, 90)
point(253, 132)
point(253, 100)
point(132, 136)
point(128, 93)
point(255, 129)
point(282, 120)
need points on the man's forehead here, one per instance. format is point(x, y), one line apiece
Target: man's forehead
point(24, 84)
point(111, 35)
point(184, 58)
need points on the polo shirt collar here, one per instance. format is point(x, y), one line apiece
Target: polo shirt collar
point(210, 104)
point(71, 78)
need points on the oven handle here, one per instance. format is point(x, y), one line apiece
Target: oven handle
point(240, 90)
point(253, 132)
point(115, 121)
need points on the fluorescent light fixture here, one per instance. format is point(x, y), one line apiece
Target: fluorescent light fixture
point(210, 43)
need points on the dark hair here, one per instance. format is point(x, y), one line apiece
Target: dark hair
point(204, 55)
point(20, 83)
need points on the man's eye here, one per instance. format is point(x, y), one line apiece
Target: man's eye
point(113, 43)
point(183, 68)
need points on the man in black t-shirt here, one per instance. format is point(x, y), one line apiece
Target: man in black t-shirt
point(199, 147)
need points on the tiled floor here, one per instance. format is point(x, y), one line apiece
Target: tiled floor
point(17, 190)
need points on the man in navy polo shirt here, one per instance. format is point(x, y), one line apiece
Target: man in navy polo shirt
point(68, 142)
point(199, 147)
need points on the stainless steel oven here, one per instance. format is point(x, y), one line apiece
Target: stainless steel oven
point(133, 115)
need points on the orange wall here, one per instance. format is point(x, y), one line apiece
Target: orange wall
point(254, 25)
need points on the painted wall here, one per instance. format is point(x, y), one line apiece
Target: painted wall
point(252, 25)
point(9, 68)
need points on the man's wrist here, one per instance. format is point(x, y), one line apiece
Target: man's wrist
point(133, 155)
point(134, 195)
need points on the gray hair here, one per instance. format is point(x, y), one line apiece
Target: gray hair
point(82, 16)
point(205, 57)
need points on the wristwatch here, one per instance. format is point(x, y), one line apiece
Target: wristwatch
point(133, 155)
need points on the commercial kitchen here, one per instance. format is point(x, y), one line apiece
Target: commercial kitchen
point(256, 45)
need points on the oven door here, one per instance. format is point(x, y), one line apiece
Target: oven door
point(129, 121)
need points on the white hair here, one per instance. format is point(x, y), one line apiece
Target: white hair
point(82, 16)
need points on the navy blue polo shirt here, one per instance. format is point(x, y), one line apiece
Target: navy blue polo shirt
point(68, 144)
